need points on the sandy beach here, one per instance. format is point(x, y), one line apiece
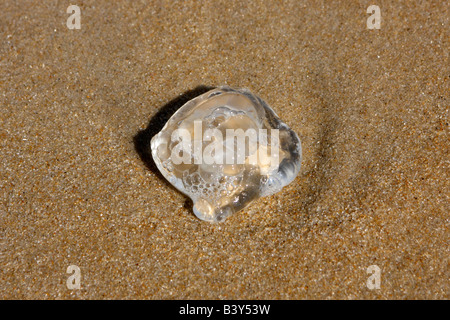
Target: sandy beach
point(78, 186)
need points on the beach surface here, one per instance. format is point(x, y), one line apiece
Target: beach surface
point(78, 187)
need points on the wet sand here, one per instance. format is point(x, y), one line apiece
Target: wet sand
point(77, 185)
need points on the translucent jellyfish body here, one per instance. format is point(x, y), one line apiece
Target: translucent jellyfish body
point(224, 149)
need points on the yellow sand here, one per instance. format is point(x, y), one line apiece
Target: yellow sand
point(77, 186)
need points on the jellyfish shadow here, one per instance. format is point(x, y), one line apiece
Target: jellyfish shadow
point(142, 138)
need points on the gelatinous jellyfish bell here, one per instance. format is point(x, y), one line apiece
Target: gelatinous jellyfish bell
point(224, 149)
